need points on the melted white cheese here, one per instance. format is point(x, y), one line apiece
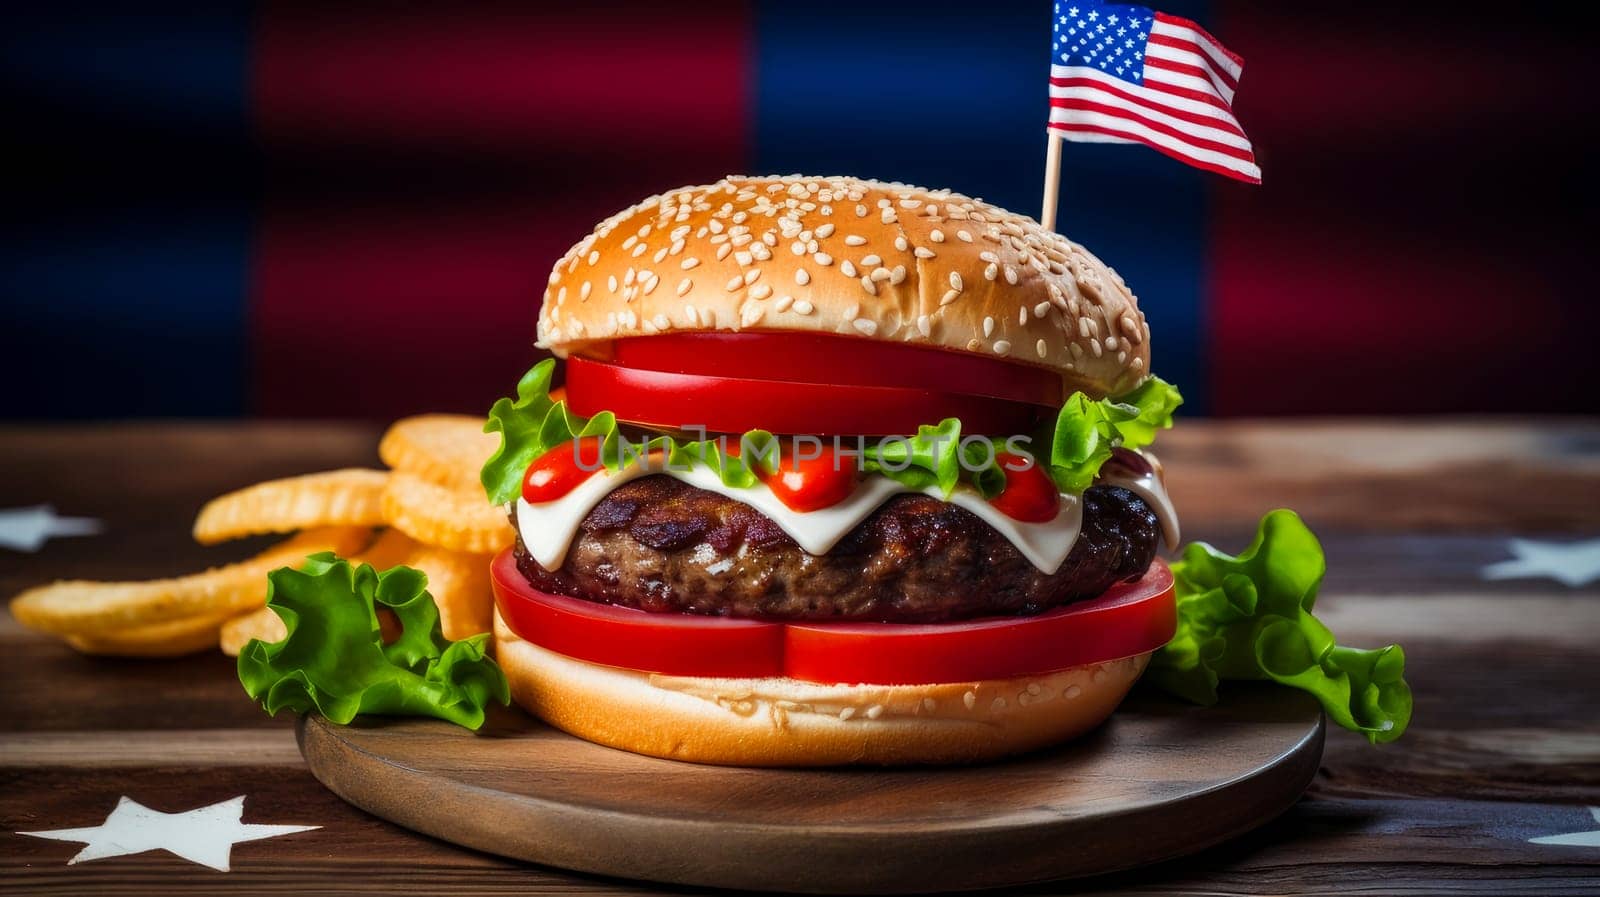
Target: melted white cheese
point(1149, 487)
point(548, 528)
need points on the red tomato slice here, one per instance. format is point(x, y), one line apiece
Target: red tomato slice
point(1131, 618)
point(734, 405)
point(676, 644)
point(825, 358)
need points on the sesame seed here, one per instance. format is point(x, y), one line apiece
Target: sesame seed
point(999, 704)
point(880, 274)
point(955, 281)
point(854, 240)
point(662, 322)
point(628, 243)
point(555, 277)
point(875, 711)
point(797, 247)
point(861, 211)
point(929, 704)
point(594, 256)
point(936, 235)
point(760, 251)
point(871, 261)
point(684, 286)
point(650, 283)
point(801, 276)
point(1022, 315)
point(688, 263)
point(846, 713)
point(803, 307)
point(688, 312)
point(1111, 343)
point(988, 325)
point(735, 282)
point(743, 258)
point(965, 237)
point(1011, 275)
point(970, 699)
point(760, 291)
point(865, 326)
point(1041, 309)
point(722, 251)
point(898, 275)
point(612, 282)
point(750, 314)
point(925, 326)
point(848, 268)
point(769, 238)
point(1072, 692)
point(922, 252)
point(628, 277)
point(753, 275)
point(853, 310)
point(988, 256)
point(583, 291)
point(1042, 348)
point(900, 243)
point(561, 295)
point(888, 216)
point(783, 303)
point(825, 231)
point(823, 259)
point(949, 297)
point(660, 255)
point(991, 272)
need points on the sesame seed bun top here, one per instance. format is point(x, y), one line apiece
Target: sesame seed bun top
point(871, 260)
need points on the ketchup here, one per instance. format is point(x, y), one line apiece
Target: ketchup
point(1029, 495)
point(560, 470)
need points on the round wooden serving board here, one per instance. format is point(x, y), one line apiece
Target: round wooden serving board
point(1159, 780)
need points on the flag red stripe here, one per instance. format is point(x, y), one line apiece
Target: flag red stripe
point(1220, 124)
point(1180, 22)
point(1169, 151)
point(1180, 44)
point(1181, 68)
point(1087, 105)
point(1199, 96)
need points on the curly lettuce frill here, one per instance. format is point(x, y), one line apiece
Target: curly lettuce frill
point(1086, 431)
point(1249, 617)
point(334, 661)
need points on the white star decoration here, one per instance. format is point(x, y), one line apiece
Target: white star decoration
point(1574, 839)
point(27, 529)
point(205, 836)
point(1573, 563)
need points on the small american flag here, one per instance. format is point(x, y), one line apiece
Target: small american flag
point(1121, 73)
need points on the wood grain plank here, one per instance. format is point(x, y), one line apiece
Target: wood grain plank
point(154, 748)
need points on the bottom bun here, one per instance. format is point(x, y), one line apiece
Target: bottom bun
point(787, 722)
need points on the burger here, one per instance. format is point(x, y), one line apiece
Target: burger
point(844, 472)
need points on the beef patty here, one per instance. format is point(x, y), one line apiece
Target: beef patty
point(659, 544)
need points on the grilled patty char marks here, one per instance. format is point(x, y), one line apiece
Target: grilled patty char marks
point(662, 545)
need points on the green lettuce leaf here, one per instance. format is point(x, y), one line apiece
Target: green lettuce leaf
point(1249, 617)
point(334, 661)
point(1086, 431)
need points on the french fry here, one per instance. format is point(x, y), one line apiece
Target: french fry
point(170, 639)
point(260, 623)
point(100, 609)
point(459, 584)
point(458, 519)
point(349, 497)
point(447, 449)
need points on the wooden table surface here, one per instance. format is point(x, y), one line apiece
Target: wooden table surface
point(1504, 748)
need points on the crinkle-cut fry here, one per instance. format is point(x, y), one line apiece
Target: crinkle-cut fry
point(448, 449)
point(81, 608)
point(172, 638)
point(459, 584)
point(260, 623)
point(458, 519)
point(349, 497)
